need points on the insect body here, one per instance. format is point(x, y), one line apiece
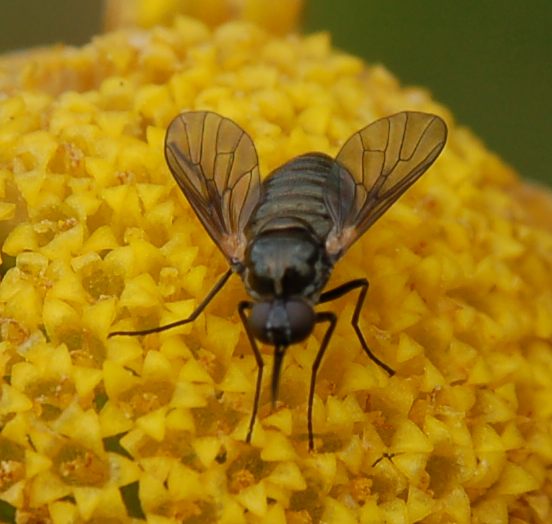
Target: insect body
point(284, 235)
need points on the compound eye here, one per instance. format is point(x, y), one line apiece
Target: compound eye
point(258, 321)
point(301, 318)
point(281, 323)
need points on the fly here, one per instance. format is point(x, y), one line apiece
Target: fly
point(283, 235)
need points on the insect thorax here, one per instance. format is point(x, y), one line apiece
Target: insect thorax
point(284, 263)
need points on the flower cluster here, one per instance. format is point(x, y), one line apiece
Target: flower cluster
point(96, 237)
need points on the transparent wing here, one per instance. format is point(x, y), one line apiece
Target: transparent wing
point(374, 168)
point(215, 164)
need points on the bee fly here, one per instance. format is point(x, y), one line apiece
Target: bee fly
point(283, 235)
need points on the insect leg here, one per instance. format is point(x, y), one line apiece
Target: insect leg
point(242, 306)
point(385, 455)
point(324, 316)
point(202, 305)
point(343, 289)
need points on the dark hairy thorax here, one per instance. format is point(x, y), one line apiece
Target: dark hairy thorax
point(287, 232)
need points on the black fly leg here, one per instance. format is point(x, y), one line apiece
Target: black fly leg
point(242, 306)
point(385, 455)
point(343, 289)
point(324, 316)
point(195, 313)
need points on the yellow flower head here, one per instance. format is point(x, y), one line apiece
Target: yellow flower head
point(97, 237)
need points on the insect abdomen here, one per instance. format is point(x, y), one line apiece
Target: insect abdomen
point(293, 196)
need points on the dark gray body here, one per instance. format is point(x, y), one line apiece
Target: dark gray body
point(286, 255)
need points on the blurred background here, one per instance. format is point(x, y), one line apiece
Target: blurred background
point(490, 62)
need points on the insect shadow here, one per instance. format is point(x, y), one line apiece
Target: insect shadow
point(283, 235)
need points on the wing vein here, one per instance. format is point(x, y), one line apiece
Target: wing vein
point(205, 153)
point(376, 182)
